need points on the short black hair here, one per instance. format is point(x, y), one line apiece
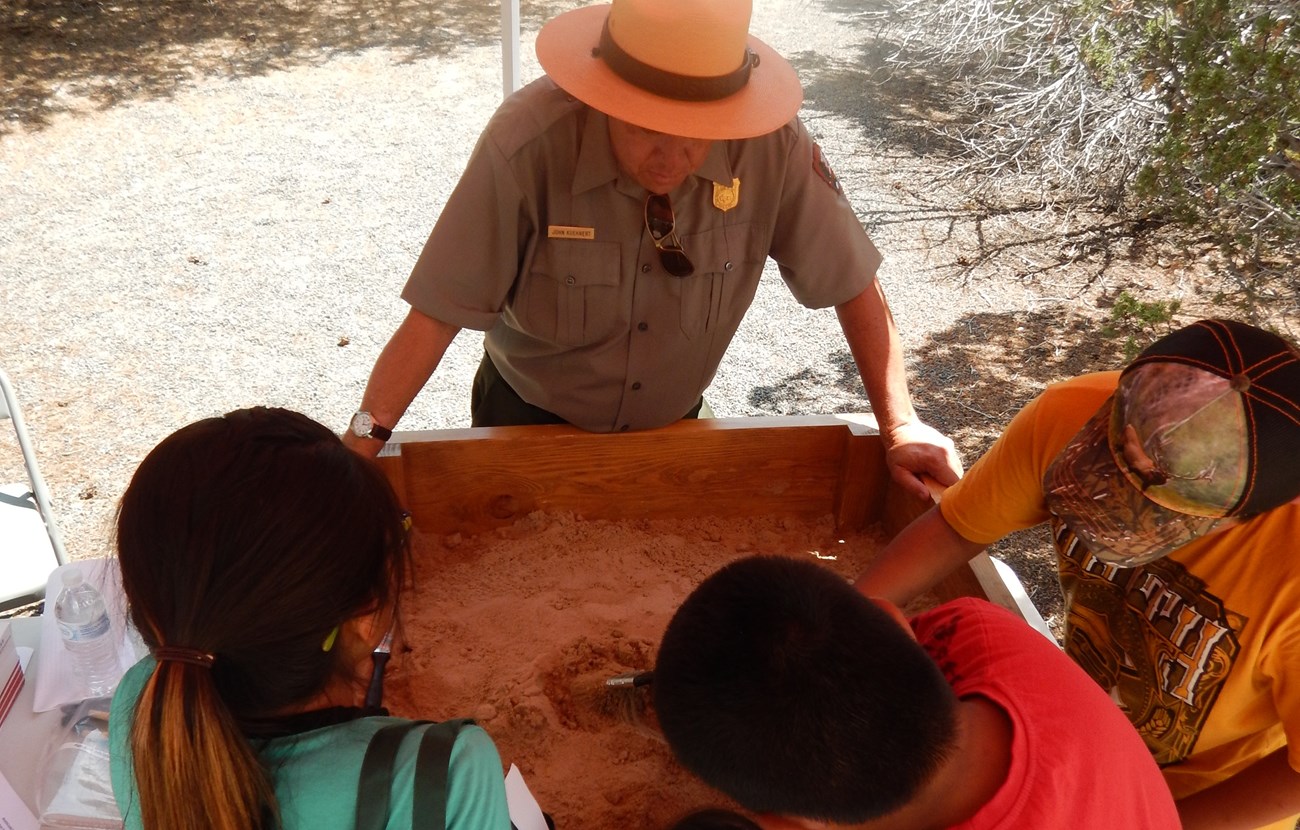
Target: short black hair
point(782, 686)
point(714, 818)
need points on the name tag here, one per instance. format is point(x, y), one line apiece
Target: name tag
point(569, 232)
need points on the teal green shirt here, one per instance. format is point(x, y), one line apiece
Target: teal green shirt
point(316, 772)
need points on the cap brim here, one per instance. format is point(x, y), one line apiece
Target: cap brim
point(1088, 491)
point(565, 50)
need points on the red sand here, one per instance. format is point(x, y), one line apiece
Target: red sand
point(518, 628)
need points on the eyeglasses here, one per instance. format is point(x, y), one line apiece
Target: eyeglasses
point(661, 223)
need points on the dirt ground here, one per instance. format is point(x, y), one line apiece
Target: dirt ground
point(210, 205)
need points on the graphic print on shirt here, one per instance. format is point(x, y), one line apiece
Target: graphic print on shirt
point(1153, 637)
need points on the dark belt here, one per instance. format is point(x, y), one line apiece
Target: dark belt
point(494, 403)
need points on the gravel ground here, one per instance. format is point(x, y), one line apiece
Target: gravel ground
point(218, 209)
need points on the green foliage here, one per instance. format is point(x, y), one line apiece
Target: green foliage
point(1164, 111)
point(1229, 76)
point(1137, 321)
point(1226, 76)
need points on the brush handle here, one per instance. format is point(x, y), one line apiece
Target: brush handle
point(634, 679)
point(375, 694)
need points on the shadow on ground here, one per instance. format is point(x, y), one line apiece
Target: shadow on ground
point(60, 55)
point(902, 105)
point(909, 112)
point(969, 380)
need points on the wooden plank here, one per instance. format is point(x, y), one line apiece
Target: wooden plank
point(864, 479)
point(978, 579)
point(486, 478)
point(472, 480)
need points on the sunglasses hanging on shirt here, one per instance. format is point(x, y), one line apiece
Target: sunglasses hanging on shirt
point(661, 224)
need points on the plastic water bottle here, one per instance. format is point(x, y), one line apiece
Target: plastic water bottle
point(87, 633)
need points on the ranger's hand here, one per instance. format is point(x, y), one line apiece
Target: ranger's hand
point(915, 449)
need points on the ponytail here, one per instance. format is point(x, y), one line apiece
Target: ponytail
point(194, 768)
point(242, 541)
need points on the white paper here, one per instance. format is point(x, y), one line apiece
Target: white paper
point(525, 814)
point(56, 683)
point(14, 814)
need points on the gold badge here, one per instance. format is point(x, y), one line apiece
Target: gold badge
point(725, 198)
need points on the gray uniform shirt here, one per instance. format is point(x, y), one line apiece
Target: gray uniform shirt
point(543, 245)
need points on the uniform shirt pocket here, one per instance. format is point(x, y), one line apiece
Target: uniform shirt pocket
point(569, 293)
point(728, 264)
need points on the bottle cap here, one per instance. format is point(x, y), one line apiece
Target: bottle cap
point(72, 577)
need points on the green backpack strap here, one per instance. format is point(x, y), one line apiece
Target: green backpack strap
point(376, 780)
point(429, 810)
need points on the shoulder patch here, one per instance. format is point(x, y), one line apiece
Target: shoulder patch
point(823, 169)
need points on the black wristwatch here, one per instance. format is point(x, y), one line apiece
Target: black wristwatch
point(363, 426)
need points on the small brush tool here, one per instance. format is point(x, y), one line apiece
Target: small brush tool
point(627, 698)
point(375, 693)
point(632, 679)
point(619, 697)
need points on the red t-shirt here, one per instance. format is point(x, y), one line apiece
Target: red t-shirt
point(1076, 761)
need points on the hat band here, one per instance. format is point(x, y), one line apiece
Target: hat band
point(670, 84)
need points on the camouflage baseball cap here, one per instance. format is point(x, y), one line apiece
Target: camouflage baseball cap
point(1204, 426)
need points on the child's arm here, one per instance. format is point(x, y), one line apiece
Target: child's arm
point(916, 559)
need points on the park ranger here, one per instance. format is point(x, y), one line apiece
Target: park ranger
point(611, 227)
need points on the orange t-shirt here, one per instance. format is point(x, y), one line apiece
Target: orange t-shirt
point(1201, 648)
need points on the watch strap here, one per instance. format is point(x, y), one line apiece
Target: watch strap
point(362, 419)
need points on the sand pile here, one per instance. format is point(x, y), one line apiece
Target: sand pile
point(518, 628)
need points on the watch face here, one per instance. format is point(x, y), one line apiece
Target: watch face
point(361, 424)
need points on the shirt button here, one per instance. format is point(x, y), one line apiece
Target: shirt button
point(570, 280)
point(636, 386)
point(727, 266)
point(642, 326)
point(645, 268)
point(624, 428)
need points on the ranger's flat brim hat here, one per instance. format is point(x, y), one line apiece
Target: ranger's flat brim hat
point(684, 67)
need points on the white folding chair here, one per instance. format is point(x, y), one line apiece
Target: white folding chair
point(30, 545)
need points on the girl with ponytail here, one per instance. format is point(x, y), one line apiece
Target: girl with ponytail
point(262, 561)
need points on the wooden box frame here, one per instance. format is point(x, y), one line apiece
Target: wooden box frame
point(471, 480)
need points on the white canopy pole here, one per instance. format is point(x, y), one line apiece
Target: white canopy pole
point(509, 46)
